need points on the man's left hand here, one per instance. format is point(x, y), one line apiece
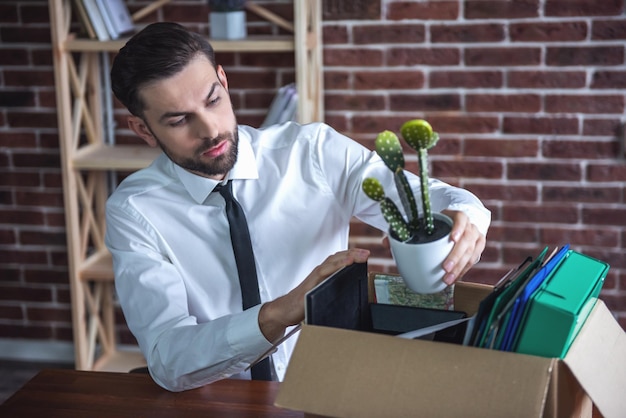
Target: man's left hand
point(469, 244)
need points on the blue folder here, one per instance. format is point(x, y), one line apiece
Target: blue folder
point(519, 306)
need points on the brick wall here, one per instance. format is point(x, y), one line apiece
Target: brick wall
point(528, 97)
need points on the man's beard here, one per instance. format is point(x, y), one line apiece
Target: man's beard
point(217, 166)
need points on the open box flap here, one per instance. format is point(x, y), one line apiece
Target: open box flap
point(597, 358)
point(344, 373)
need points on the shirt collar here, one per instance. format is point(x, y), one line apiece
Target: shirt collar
point(245, 168)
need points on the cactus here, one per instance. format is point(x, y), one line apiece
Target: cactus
point(419, 135)
point(374, 190)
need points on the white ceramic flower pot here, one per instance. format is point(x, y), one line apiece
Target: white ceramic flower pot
point(228, 25)
point(421, 264)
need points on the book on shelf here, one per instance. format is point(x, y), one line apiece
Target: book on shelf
point(283, 107)
point(116, 17)
point(96, 19)
point(84, 19)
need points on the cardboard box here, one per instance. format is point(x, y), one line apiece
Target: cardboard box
point(344, 373)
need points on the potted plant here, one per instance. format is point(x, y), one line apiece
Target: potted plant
point(227, 19)
point(419, 242)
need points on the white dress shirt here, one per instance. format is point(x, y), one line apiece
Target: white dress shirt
point(175, 272)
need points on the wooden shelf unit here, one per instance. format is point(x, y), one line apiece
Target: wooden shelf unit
point(86, 159)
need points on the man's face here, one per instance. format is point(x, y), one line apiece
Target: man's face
point(190, 116)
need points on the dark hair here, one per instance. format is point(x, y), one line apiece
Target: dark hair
point(158, 51)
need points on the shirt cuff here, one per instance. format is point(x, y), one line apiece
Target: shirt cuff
point(244, 334)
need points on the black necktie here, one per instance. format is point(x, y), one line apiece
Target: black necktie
point(244, 257)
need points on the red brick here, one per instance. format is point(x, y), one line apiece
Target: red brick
point(342, 10)
point(447, 146)
point(603, 127)
point(388, 80)
point(55, 219)
point(396, 33)
point(467, 33)
point(14, 57)
point(31, 119)
point(8, 237)
point(597, 237)
point(352, 57)
point(583, 7)
point(423, 56)
point(8, 13)
point(465, 79)
point(543, 214)
point(503, 192)
point(353, 102)
point(49, 314)
point(501, 147)
point(31, 160)
point(543, 171)
point(32, 77)
point(190, 13)
point(11, 312)
point(335, 34)
point(66, 333)
point(600, 216)
point(606, 173)
point(47, 276)
point(30, 331)
point(546, 79)
point(424, 10)
point(548, 31)
point(467, 169)
point(498, 9)
point(585, 104)
point(609, 80)
point(47, 238)
point(25, 294)
point(579, 149)
point(25, 34)
point(39, 199)
point(424, 102)
point(580, 194)
point(338, 121)
point(585, 55)
point(520, 234)
point(22, 216)
point(18, 98)
point(503, 103)
point(246, 80)
point(502, 56)
point(336, 80)
point(540, 125)
point(34, 13)
point(464, 124)
point(442, 124)
point(53, 179)
point(20, 179)
point(608, 29)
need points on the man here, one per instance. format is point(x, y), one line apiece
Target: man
point(299, 186)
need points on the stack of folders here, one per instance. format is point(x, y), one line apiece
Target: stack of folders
point(539, 307)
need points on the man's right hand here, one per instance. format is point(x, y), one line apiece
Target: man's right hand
point(288, 310)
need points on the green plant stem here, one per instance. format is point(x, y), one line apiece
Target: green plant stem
point(407, 199)
point(429, 224)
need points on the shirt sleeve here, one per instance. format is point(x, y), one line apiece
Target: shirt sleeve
point(181, 352)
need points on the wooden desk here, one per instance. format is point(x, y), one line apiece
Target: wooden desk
point(71, 393)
